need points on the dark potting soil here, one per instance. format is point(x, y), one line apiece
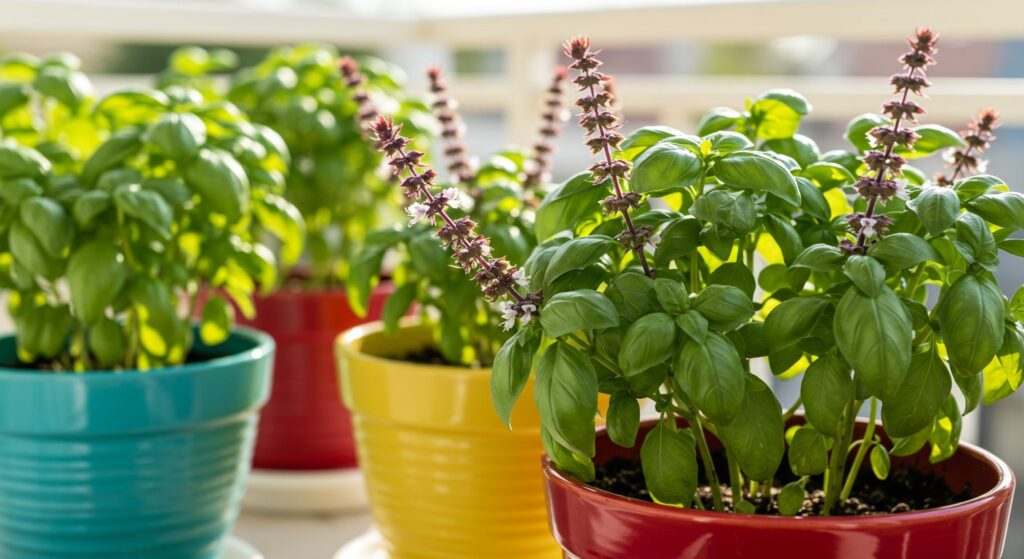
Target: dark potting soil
point(903, 491)
point(427, 356)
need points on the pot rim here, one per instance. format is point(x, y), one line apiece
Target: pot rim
point(263, 345)
point(346, 344)
point(1005, 483)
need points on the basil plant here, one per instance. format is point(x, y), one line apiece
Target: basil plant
point(762, 248)
point(335, 177)
point(114, 211)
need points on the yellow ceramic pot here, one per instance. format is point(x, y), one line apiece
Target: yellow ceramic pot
point(446, 479)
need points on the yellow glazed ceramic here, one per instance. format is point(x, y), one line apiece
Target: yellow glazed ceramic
point(446, 479)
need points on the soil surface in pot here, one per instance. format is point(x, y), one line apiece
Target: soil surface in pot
point(904, 490)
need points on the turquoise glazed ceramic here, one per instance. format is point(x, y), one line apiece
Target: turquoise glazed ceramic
point(146, 465)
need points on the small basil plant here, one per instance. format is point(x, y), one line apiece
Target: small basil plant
point(762, 249)
point(114, 211)
point(500, 195)
point(336, 179)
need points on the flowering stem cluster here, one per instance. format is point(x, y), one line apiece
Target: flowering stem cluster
point(884, 165)
point(978, 137)
point(452, 128)
point(602, 125)
point(538, 169)
point(354, 80)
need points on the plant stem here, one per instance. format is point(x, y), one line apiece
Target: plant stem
point(694, 272)
point(705, 455)
point(735, 479)
point(793, 409)
point(869, 433)
point(837, 460)
point(915, 281)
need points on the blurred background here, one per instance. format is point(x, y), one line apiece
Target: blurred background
point(674, 59)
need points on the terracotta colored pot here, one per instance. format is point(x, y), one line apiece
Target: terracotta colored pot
point(446, 479)
point(305, 426)
point(594, 524)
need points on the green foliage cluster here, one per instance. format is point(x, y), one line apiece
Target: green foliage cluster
point(749, 263)
point(114, 211)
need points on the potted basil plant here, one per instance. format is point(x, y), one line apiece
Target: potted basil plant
point(664, 305)
point(418, 387)
point(124, 431)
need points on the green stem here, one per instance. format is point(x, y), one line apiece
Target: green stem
point(915, 280)
point(705, 455)
point(735, 479)
point(793, 409)
point(837, 459)
point(694, 272)
point(869, 433)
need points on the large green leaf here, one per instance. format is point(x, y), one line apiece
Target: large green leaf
point(826, 390)
point(970, 314)
point(874, 335)
point(664, 168)
point(669, 461)
point(937, 208)
point(511, 372)
point(649, 341)
point(566, 394)
point(712, 375)
point(96, 274)
point(756, 437)
point(751, 170)
point(584, 309)
point(221, 181)
point(919, 398)
point(570, 203)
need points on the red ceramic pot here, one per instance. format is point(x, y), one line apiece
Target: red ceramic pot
point(305, 426)
point(594, 524)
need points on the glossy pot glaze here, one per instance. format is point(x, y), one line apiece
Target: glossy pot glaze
point(594, 524)
point(129, 464)
point(446, 479)
point(305, 426)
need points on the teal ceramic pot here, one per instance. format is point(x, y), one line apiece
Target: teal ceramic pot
point(151, 465)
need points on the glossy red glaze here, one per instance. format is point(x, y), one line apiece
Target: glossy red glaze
point(593, 524)
point(304, 426)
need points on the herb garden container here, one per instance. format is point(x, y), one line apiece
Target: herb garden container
point(594, 524)
point(446, 479)
point(304, 426)
point(129, 464)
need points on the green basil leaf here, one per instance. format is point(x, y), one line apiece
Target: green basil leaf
point(30, 254)
point(866, 273)
point(633, 295)
point(577, 254)
point(669, 460)
point(791, 498)
point(1005, 209)
point(580, 467)
point(1005, 374)
point(972, 187)
point(820, 258)
point(932, 138)
point(919, 398)
point(566, 394)
point(665, 168)
point(899, 251)
point(970, 314)
point(623, 419)
point(787, 324)
point(756, 437)
point(908, 446)
point(875, 335)
point(112, 153)
point(569, 204)
point(813, 202)
point(645, 137)
point(726, 142)
point(146, 206)
point(718, 118)
point(826, 390)
point(218, 316)
point(648, 341)
point(285, 222)
point(511, 372)
point(801, 148)
point(777, 113)
point(694, 325)
point(12, 96)
point(974, 240)
point(672, 296)
point(48, 222)
point(937, 208)
point(14, 191)
point(858, 128)
point(751, 170)
point(808, 452)
point(880, 463)
point(828, 175)
point(397, 305)
point(178, 135)
point(572, 311)
point(945, 436)
point(70, 88)
point(90, 205)
point(96, 274)
point(712, 375)
point(220, 180)
point(678, 239)
point(732, 212)
point(106, 342)
point(725, 307)
point(785, 236)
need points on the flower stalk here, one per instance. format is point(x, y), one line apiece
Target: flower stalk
point(978, 137)
point(367, 113)
point(602, 125)
point(445, 108)
point(885, 166)
point(538, 167)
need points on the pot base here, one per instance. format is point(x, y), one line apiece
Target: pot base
point(368, 546)
point(240, 549)
point(305, 492)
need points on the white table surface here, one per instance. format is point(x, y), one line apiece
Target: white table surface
point(301, 537)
